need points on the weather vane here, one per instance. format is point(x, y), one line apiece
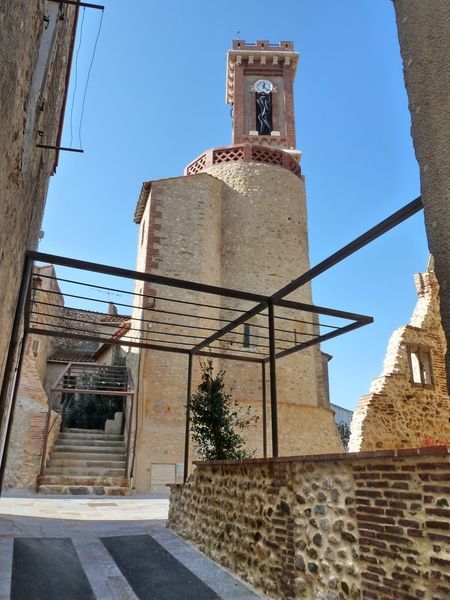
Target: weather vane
point(238, 33)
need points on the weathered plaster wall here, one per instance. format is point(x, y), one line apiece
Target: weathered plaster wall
point(31, 96)
point(424, 35)
point(396, 413)
point(371, 525)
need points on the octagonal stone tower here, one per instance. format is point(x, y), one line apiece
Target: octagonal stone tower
point(237, 219)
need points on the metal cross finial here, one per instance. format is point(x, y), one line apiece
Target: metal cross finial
point(238, 33)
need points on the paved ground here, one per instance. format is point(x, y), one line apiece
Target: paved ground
point(110, 548)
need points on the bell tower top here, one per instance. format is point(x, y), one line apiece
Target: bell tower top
point(259, 86)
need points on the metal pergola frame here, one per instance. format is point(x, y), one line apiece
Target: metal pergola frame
point(261, 303)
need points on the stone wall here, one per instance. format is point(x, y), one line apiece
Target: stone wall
point(34, 61)
point(398, 413)
point(424, 35)
point(28, 428)
point(241, 226)
point(371, 525)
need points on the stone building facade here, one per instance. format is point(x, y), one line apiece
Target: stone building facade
point(45, 359)
point(424, 36)
point(237, 219)
point(408, 406)
point(35, 53)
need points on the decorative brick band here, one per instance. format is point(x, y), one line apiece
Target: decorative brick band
point(245, 153)
point(439, 450)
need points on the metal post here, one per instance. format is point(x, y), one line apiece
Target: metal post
point(273, 381)
point(45, 441)
point(10, 418)
point(188, 420)
point(10, 360)
point(264, 409)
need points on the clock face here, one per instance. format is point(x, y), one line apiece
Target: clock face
point(263, 86)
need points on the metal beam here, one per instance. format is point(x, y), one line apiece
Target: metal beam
point(273, 381)
point(93, 338)
point(320, 339)
point(58, 148)
point(188, 420)
point(370, 235)
point(238, 321)
point(264, 408)
point(5, 409)
point(141, 276)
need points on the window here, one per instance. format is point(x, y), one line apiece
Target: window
point(420, 366)
point(246, 335)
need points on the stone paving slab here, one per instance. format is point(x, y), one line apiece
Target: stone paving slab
point(84, 520)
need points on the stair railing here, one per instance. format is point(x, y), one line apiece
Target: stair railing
point(130, 394)
point(48, 427)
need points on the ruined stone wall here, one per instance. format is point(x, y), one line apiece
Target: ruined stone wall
point(398, 413)
point(28, 427)
point(369, 525)
point(32, 89)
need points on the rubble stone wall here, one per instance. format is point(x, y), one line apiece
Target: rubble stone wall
point(367, 525)
point(398, 413)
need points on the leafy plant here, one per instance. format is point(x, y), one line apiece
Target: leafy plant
point(216, 418)
point(91, 411)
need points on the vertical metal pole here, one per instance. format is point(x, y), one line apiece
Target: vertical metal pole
point(5, 410)
point(130, 417)
point(10, 418)
point(264, 409)
point(188, 420)
point(45, 441)
point(273, 381)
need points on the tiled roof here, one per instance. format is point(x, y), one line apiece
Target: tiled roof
point(120, 332)
point(71, 356)
point(114, 319)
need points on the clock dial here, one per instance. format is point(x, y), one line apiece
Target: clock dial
point(263, 86)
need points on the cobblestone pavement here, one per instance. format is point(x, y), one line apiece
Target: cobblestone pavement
point(108, 548)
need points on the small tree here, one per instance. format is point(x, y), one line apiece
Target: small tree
point(215, 418)
point(344, 432)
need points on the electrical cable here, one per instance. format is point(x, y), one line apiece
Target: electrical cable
point(88, 77)
point(76, 77)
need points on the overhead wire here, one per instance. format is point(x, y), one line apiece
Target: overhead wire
point(88, 77)
point(76, 77)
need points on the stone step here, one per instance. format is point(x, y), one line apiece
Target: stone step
point(81, 480)
point(89, 442)
point(90, 449)
point(90, 456)
point(75, 430)
point(84, 471)
point(84, 490)
point(77, 463)
point(90, 436)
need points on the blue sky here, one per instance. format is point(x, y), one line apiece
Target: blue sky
point(156, 100)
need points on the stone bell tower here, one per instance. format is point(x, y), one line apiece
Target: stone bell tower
point(260, 80)
point(236, 219)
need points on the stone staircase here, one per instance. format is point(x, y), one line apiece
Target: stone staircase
point(86, 461)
